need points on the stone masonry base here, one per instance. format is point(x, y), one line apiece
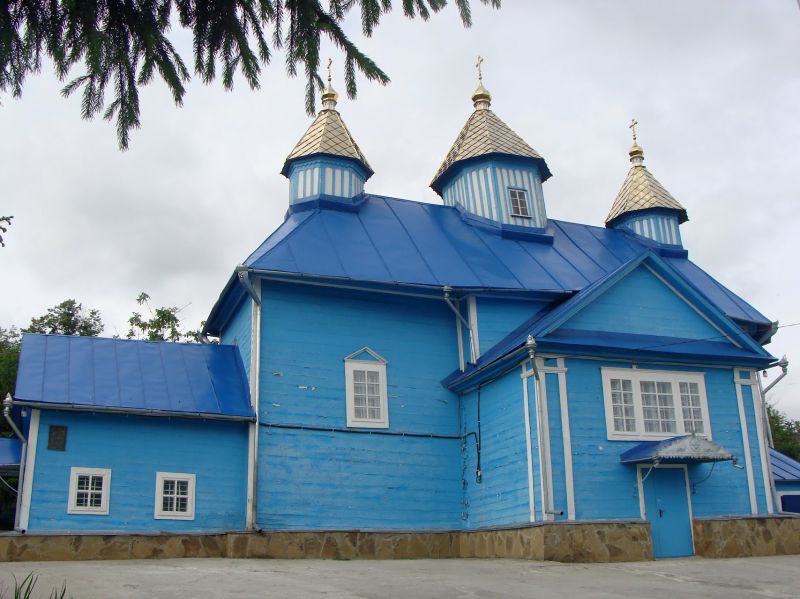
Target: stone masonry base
point(560, 541)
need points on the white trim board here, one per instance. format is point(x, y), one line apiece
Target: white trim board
point(566, 437)
point(30, 468)
point(748, 460)
point(528, 447)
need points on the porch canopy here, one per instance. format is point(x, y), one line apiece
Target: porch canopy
point(677, 450)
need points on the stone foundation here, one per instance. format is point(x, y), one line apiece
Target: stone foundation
point(561, 541)
point(743, 537)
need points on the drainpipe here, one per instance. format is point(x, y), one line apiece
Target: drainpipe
point(784, 364)
point(447, 291)
point(8, 403)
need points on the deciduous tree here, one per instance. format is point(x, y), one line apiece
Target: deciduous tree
point(785, 432)
point(68, 318)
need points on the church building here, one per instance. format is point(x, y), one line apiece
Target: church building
point(386, 364)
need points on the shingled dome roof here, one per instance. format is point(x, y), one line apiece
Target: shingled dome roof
point(485, 133)
point(327, 135)
point(642, 191)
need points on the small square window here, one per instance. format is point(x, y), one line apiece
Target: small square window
point(174, 496)
point(519, 203)
point(89, 491)
point(57, 438)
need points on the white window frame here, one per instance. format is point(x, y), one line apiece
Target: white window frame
point(159, 512)
point(105, 493)
point(524, 193)
point(637, 375)
point(351, 364)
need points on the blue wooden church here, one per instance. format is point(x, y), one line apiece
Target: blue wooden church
point(388, 364)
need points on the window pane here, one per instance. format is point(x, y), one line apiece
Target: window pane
point(183, 487)
point(373, 376)
point(95, 499)
point(374, 413)
point(182, 504)
point(373, 389)
point(169, 486)
point(83, 482)
point(692, 413)
point(82, 499)
point(658, 407)
point(359, 376)
point(622, 405)
point(360, 388)
point(168, 503)
point(360, 412)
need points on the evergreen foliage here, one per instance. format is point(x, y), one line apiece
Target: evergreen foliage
point(785, 432)
point(123, 44)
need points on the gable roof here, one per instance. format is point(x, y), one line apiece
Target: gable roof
point(330, 136)
point(784, 468)
point(134, 377)
point(732, 345)
point(485, 133)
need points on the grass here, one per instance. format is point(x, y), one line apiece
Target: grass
point(23, 589)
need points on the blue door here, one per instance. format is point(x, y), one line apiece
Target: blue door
point(666, 505)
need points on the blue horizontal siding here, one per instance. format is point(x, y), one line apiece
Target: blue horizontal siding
point(326, 480)
point(396, 482)
point(238, 332)
point(605, 488)
point(642, 304)
point(498, 317)
point(501, 498)
point(135, 448)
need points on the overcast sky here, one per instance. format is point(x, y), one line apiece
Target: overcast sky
point(715, 86)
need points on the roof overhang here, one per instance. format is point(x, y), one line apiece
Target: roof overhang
point(43, 405)
point(685, 449)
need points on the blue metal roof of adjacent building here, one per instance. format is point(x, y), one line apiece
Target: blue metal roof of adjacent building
point(382, 240)
point(784, 468)
point(137, 377)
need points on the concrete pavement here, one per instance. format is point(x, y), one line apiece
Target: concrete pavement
point(693, 577)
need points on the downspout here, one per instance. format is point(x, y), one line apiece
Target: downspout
point(8, 403)
point(784, 364)
point(447, 291)
point(547, 510)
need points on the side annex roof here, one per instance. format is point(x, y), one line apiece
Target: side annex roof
point(133, 377)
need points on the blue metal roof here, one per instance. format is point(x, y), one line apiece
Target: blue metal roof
point(384, 240)
point(143, 377)
point(784, 468)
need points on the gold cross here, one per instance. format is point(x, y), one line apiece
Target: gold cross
point(632, 127)
point(330, 62)
point(478, 64)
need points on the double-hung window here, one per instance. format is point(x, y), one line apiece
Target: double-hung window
point(651, 404)
point(174, 496)
point(366, 390)
point(519, 202)
point(89, 491)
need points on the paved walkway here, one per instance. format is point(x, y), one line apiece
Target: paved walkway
point(695, 577)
